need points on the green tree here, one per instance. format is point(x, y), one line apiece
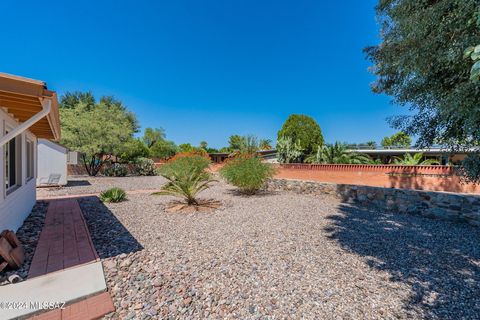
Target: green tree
point(203, 145)
point(132, 149)
point(98, 132)
point(425, 62)
point(235, 142)
point(304, 130)
point(163, 149)
point(399, 139)
point(151, 136)
point(186, 147)
point(71, 100)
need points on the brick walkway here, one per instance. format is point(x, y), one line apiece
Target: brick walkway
point(64, 242)
point(88, 309)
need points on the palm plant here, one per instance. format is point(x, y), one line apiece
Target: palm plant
point(337, 154)
point(414, 160)
point(187, 177)
point(265, 144)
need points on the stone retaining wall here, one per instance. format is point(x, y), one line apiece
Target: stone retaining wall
point(437, 205)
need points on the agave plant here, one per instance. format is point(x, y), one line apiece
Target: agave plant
point(414, 160)
point(113, 195)
point(187, 177)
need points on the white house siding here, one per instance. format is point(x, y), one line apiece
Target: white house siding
point(52, 160)
point(17, 205)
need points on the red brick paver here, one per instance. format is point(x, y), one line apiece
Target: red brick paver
point(64, 242)
point(92, 308)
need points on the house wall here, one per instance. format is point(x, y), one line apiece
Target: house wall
point(52, 160)
point(17, 205)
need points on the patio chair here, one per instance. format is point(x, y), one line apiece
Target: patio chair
point(52, 180)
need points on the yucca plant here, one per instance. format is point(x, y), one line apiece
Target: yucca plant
point(414, 160)
point(113, 195)
point(187, 177)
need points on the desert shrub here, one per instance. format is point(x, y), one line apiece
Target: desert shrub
point(187, 176)
point(116, 170)
point(248, 173)
point(113, 195)
point(145, 167)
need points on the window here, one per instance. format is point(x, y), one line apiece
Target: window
point(30, 159)
point(13, 165)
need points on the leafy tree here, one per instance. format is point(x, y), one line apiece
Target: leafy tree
point(399, 139)
point(265, 144)
point(163, 149)
point(304, 130)
point(288, 151)
point(72, 99)
point(414, 160)
point(186, 147)
point(426, 62)
point(132, 149)
point(203, 145)
point(371, 144)
point(212, 150)
point(235, 142)
point(152, 136)
point(97, 132)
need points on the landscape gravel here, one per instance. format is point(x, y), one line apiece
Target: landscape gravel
point(91, 185)
point(282, 256)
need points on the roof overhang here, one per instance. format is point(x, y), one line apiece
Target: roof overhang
point(22, 98)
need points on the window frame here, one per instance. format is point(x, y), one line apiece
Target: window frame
point(30, 158)
point(7, 163)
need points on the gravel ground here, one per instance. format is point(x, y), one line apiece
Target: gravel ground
point(28, 234)
point(89, 185)
point(283, 255)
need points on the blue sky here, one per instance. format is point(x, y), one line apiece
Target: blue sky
point(204, 70)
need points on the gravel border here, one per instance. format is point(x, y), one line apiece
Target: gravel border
point(92, 185)
point(28, 234)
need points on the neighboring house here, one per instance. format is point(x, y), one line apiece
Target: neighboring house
point(28, 111)
point(73, 157)
point(52, 163)
point(219, 157)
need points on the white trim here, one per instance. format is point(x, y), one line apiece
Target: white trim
point(47, 106)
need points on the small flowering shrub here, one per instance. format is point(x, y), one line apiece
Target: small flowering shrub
point(145, 167)
point(247, 172)
point(113, 195)
point(116, 170)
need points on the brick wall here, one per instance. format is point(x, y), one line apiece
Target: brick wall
point(432, 178)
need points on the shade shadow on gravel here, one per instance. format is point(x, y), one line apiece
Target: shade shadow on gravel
point(439, 260)
point(110, 237)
